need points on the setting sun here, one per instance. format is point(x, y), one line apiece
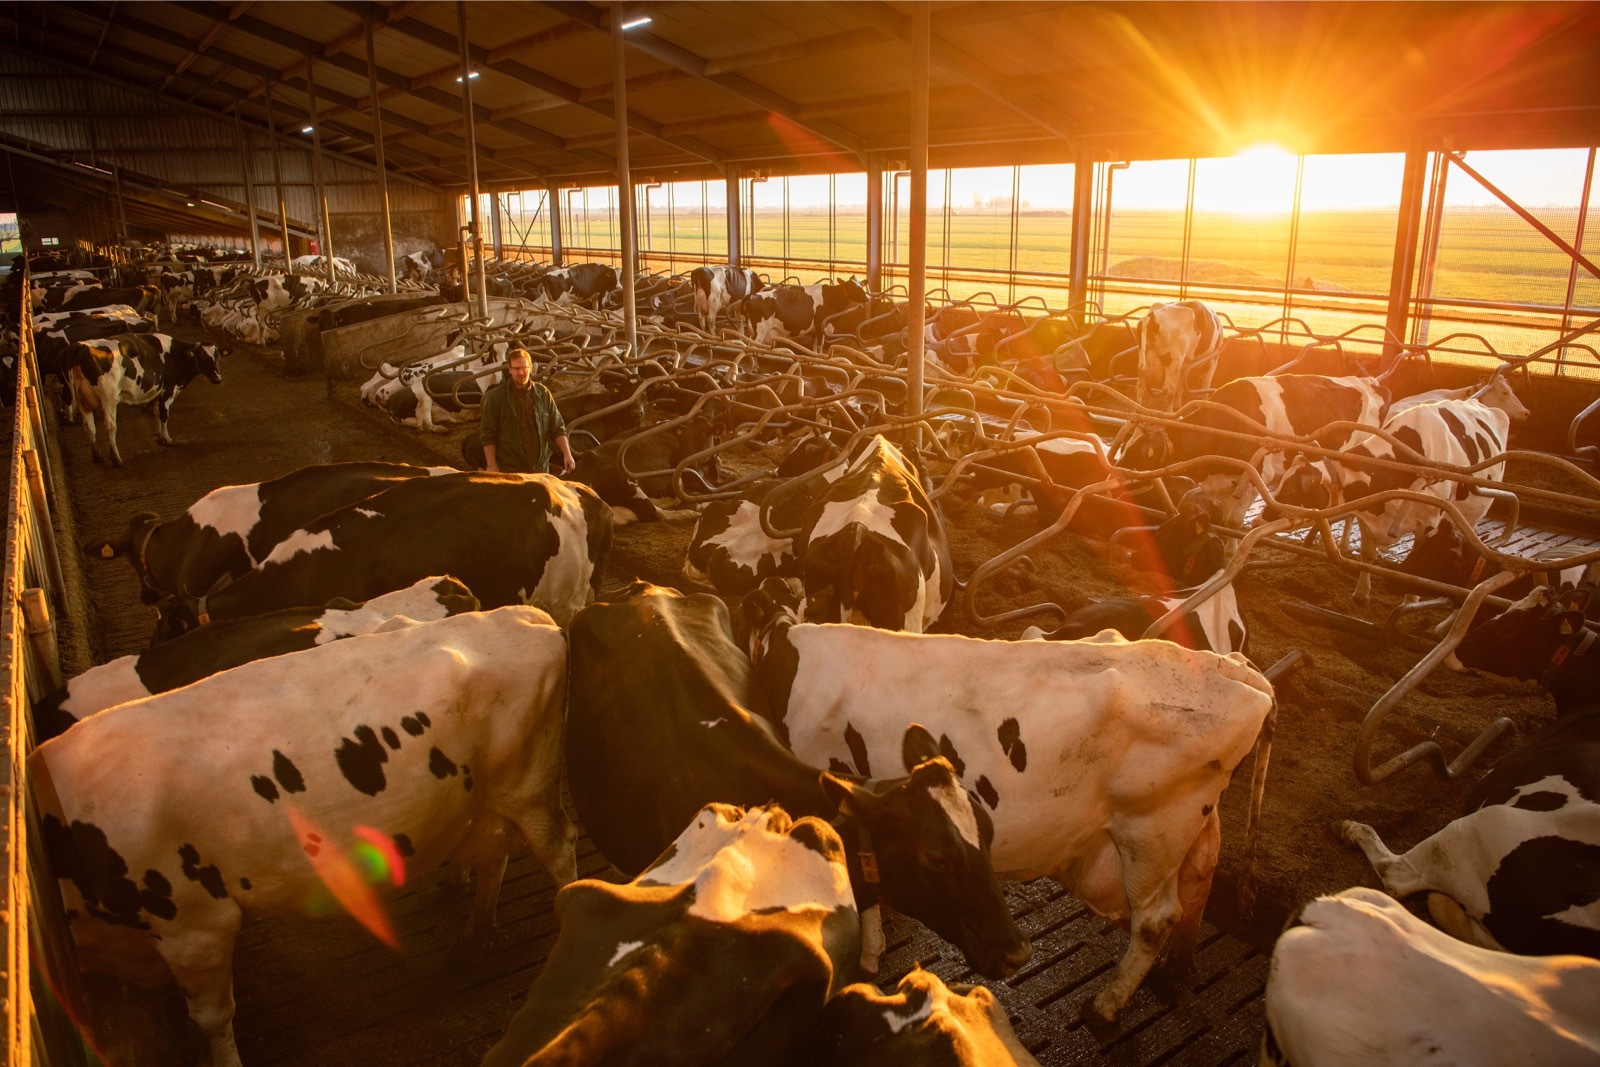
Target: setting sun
point(1257, 181)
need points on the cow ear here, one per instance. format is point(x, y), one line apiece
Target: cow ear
point(851, 800)
point(102, 548)
point(918, 746)
point(1569, 623)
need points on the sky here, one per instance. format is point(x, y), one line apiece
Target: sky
point(1258, 181)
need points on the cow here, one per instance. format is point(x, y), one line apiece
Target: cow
point(922, 1023)
point(800, 311)
point(319, 264)
point(1100, 762)
point(601, 469)
point(135, 369)
point(212, 649)
point(1443, 554)
point(1518, 869)
point(747, 903)
point(1178, 348)
point(1454, 432)
point(232, 529)
point(1289, 405)
point(171, 820)
point(1358, 981)
point(418, 265)
point(533, 539)
point(1495, 393)
point(717, 287)
point(279, 292)
point(583, 283)
point(403, 389)
point(142, 298)
point(665, 717)
point(875, 545)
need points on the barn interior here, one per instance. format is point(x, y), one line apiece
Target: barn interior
point(502, 142)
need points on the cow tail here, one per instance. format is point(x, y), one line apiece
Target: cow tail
point(1249, 881)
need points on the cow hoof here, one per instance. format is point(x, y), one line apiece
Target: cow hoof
point(1346, 830)
point(95, 456)
point(167, 443)
point(1097, 1024)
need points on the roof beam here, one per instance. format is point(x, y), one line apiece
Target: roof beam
point(952, 61)
point(446, 42)
point(811, 49)
point(686, 61)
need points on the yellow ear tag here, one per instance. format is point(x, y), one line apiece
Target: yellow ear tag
point(1566, 628)
point(107, 551)
point(1199, 527)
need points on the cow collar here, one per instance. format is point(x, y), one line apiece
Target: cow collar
point(866, 855)
point(202, 616)
point(144, 544)
point(1585, 640)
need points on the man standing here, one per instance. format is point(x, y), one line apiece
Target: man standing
point(521, 422)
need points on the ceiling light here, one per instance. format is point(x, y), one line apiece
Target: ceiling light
point(305, 129)
point(190, 203)
point(636, 21)
point(470, 74)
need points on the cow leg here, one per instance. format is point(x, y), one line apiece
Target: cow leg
point(163, 407)
point(1194, 888)
point(94, 441)
point(872, 939)
point(201, 960)
point(1153, 922)
point(112, 451)
point(1400, 875)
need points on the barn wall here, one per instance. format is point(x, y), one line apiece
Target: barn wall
point(358, 236)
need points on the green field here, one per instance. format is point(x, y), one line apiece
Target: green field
point(1484, 255)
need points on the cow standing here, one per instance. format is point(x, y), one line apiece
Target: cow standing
point(665, 717)
point(1100, 762)
point(172, 820)
point(800, 311)
point(1178, 348)
point(716, 287)
point(747, 903)
point(135, 369)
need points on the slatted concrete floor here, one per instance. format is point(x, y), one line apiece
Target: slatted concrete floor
point(314, 992)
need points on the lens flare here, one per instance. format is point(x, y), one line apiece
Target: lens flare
point(343, 878)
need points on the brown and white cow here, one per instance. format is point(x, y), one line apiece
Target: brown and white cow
point(1517, 870)
point(665, 717)
point(875, 545)
point(922, 1023)
point(172, 820)
point(532, 539)
point(148, 368)
point(1178, 348)
point(1358, 981)
point(723, 950)
point(1100, 762)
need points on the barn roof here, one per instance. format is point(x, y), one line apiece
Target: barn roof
point(814, 87)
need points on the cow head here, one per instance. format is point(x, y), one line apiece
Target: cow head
point(1189, 551)
point(176, 616)
point(1443, 555)
point(208, 361)
point(775, 604)
point(922, 1021)
point(1147, 450)
point(1536, 639)
point(132, 545)
point(931, 842)
point(854, 291)
point(1306, 484)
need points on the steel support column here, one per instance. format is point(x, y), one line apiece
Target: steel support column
point(277, 174)
point(122, 214)
point(1082, 224)
point(476, 222)
point(249, 188)
point(324, 227)
point(735, 224)
point(1405, 248)
point(554, 202)
point(383, 172)
point(494, 227)
point(917, 309)
point(630, 239)
point(874, 224)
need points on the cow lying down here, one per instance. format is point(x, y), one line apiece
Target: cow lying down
point(423, 393)
point(231, 642)
point(171, 820)
point(745, 901)
point(1358, 981)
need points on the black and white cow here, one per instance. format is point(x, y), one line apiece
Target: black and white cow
point(719, 286)
point(232, 529)
point(1100, 762)
point(135, 369)
point(875, 546)
point(1452, 432)
point(171, 820)
point(665, 717)
point(724, 950)
point(531, 539)
point(418, 265)
point(404, 391)
point(142, 298)
point(800, 311)
point(280, 292)
point(1520, 870)
point(602, 469)
point(1358, 981)
point(923, 1023)
point(1289, 405)
point(1178, 348)
point(1443, 554)
point(586, 284)
point(212, 649)
point(1495, 393)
